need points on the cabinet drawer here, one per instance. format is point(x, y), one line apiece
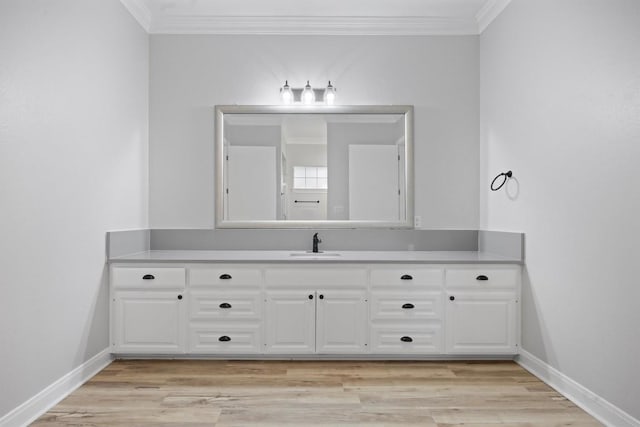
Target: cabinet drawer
point(207, 338)
point(478, 277)
point(161, 277)
point(406, 306)
point(224, 275)
point(406, 340)
point(409, 275)
point(205, 305)
point(331, 275)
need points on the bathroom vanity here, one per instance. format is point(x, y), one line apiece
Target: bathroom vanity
point(364, 304)
point(357, 187)
point(277, 303)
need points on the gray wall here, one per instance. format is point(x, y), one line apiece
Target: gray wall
point(73, 164)
point(192, 73)
point(560, 106)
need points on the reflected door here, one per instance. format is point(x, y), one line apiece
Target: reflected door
point(373, 183)
point(251, 183)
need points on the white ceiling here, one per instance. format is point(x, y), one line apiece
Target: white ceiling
point(316, 17)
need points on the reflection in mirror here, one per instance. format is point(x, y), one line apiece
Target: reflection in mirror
point(284, 167)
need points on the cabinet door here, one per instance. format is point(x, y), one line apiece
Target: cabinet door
point(341, 321)
point(149, 322)
point(290, 321)
point(481, 323)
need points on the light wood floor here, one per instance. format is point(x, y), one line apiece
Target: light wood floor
point(306, 393)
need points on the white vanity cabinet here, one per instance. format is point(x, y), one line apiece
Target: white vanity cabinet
point(225, 309)
point(482, 309)
point(406, 314)
point(289, 309)
point(148, 310)
point(316, 310)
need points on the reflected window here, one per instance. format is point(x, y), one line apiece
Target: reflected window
point(310, 177)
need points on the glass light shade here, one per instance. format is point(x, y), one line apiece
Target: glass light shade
point(286, 94)
point(330, 94)
point(308, 96)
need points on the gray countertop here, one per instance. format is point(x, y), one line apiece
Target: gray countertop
point(427, 257)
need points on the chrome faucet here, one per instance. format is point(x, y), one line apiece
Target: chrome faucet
point(316, 240)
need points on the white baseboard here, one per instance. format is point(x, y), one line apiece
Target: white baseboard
point(596, 406)
point(33, 408)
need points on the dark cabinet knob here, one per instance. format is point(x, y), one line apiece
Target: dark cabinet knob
point(406, 339)
point(225, 276)
point(482, 277)
point(179, 296)
point(406, 277)
point(321, 296)
point(451, 298)
point(225, 305)
point(408, 305)
point(148, 277)
point(224, 338)
point(310, 296)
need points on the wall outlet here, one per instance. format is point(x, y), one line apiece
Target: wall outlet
point(417, 221)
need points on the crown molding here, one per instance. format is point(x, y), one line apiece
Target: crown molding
point(489, 12)
point(154, 23)
point(294, 25)
point(140, 11)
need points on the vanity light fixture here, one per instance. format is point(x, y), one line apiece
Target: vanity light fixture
point(286, 93)
point(330, 94)
point(307, 95)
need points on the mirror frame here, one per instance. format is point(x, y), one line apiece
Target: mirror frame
point(221, 110)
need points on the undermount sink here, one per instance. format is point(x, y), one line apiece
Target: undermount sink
point(310, 254)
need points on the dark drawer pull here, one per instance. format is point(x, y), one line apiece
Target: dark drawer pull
point(482, 277)
point(225, 276)
point(408, 305)
point(224, 338)
point(148, 277)
point(452, 298)
point(406, 277)
point(406, 339)
point(225, 305)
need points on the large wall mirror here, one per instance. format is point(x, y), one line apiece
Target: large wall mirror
point(314, 167)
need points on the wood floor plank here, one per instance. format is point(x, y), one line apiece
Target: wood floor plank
point(315, 393)
point(303, 415)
